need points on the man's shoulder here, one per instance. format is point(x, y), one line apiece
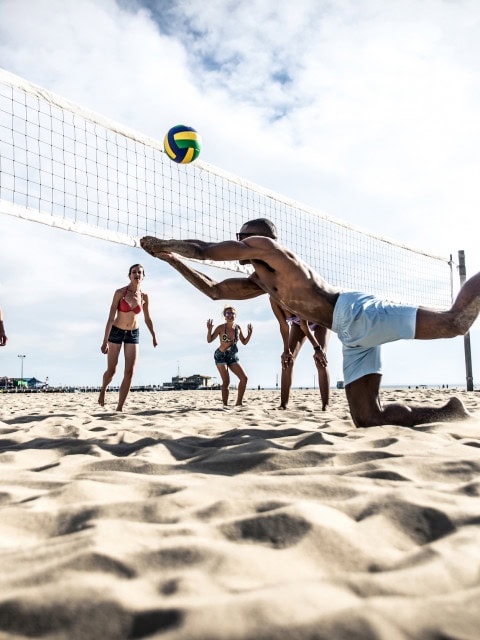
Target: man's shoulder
point(261, 241)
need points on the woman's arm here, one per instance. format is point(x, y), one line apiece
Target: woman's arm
point(148, 319)
point(111, 317)
point(246, 339)
point(319, 354)
point(279, 312)
point(211, 336)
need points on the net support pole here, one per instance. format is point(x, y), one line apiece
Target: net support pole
point(466, 338)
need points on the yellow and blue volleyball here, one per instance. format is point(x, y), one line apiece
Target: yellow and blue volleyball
point(182, 144)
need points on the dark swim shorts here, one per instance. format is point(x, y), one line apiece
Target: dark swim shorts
point(230, 356)
point(128, 336)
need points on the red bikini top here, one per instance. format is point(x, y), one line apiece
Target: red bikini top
point(125, 307)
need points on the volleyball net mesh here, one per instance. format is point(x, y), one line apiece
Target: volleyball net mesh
point(65, 166)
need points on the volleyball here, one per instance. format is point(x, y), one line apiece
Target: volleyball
point(182, 144)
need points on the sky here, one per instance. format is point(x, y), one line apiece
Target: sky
point(364, 109)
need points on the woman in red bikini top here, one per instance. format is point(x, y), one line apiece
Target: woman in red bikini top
point(122, 329)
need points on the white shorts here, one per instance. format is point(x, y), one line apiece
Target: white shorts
point(362, 323)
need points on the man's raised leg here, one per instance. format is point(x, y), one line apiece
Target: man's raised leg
point(454, 322)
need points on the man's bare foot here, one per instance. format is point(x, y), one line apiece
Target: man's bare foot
point(101, 398)
point(455, 410)
point(325, 407)
point(282, 407)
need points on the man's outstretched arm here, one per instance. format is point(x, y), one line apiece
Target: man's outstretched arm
point(196, 249)
point(230, 289)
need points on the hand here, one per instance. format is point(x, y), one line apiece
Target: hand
point(250, 329)
point(104, 347)
point(320, 357)
point(167, 256)
point(209, 324)
point(286, 359)
point(155, 341)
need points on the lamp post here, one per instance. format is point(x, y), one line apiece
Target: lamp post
point(21, 365)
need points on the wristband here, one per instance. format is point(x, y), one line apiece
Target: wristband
point(317, 348)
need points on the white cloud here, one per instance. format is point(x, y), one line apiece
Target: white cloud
point(367, 110)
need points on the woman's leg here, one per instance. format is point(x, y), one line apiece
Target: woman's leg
point(242, 381)
point(295, 342)
point(225, 376)
point(322, 335)
point(131, 354)
point(112, 361)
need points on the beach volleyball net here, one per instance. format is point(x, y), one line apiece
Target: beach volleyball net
point(67, 167)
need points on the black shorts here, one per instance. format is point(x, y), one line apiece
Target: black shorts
point(128, 336)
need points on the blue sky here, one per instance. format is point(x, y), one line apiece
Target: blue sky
point(367, 110)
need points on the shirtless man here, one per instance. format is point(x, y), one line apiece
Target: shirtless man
point(362, 322)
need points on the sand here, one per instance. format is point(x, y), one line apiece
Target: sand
point(178, 520)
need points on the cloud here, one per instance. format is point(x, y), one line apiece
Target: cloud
point(366, 110)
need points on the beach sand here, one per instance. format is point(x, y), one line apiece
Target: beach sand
point(178, 520)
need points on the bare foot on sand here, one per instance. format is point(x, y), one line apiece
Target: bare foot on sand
point(101, 398)
point(455, 410)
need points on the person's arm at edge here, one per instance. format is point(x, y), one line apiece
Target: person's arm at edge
point(3, 335)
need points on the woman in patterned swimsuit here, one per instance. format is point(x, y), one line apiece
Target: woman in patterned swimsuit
point(226, 356)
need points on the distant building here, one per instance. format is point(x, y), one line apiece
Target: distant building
point(25, 383)
point(196, 381)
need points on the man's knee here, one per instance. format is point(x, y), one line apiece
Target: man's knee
point(363, 401)
point(363, 419)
